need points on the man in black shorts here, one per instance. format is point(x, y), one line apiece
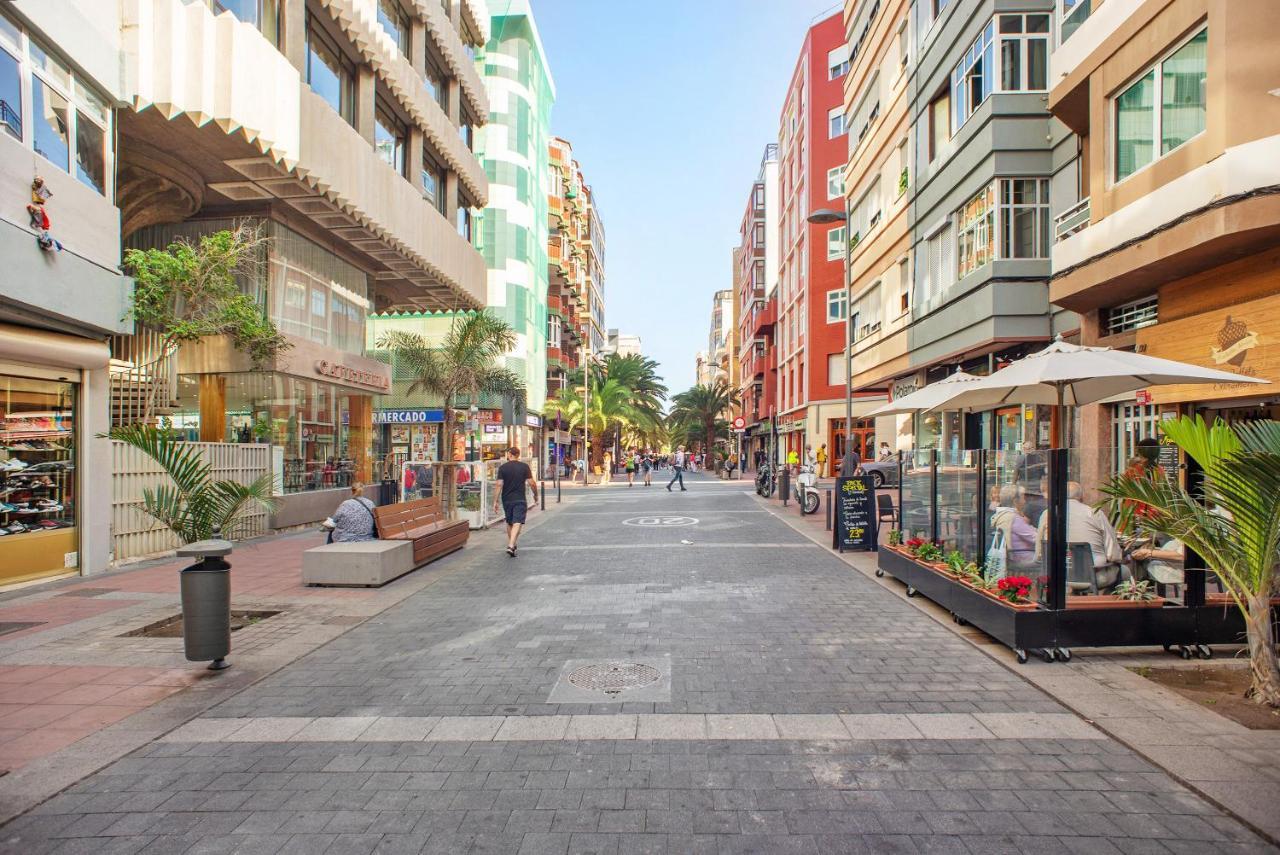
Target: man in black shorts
point(513, 475)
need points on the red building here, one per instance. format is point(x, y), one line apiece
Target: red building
point(756, 291)
point(811, 296)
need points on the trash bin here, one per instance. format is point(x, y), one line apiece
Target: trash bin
point(389, 492)
point(206, 602)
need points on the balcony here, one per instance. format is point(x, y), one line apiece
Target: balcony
point(1071, 220)
point(763, 317)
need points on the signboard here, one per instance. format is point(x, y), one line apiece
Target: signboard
point(1142, 396)
point(533, 421)
point(855, 514)
point(354, 375)
point(739, 423)
point(407, 417)
point(904, 386)
point(1243, 339)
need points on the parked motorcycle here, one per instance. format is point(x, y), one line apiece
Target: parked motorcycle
point(765, 480)
point(805, 490)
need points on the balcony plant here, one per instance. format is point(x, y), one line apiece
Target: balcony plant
point(903, 181)
point(1232, 523)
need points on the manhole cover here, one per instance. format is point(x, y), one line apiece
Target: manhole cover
point(614, 677)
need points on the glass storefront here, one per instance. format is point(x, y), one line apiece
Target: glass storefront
point(309, 423)
point(38, 534)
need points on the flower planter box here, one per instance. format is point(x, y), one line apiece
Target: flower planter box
point(1017, 607)
point(1112, 601)
point(1215, 599)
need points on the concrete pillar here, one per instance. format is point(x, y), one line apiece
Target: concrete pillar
point(293, 32)
point(451, 196)
point(360, 435)
point(413, 157)
point(365, 77)
point(418, 46)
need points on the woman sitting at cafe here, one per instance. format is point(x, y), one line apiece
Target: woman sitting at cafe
point(1019, 533)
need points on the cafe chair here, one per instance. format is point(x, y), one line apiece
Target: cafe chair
point(885, 508)
point(1083, 576)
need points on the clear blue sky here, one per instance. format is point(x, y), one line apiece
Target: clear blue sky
point(668, 105)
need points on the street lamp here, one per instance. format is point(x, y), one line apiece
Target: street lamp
point(823, 217)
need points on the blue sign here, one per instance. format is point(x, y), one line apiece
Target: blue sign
point(407, 417)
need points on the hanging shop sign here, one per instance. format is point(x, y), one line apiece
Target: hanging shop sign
point(904, 386)
point(533, 421)
point(1243, 339)
point(855, 512)
point(407, 417)
point(352, 375)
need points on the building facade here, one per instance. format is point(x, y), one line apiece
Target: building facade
point(811, 161)
point(948, 194)
point(1167, 200)
point(721, 339)
point(623, 344)
point(60, 80)
point(515, 232)
point(757, 309)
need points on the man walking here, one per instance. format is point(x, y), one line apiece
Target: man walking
point(513, 475)
point(677, 463)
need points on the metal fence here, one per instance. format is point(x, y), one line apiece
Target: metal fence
point(136, 535)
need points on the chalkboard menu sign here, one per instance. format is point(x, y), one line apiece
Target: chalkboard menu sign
point(855, 512)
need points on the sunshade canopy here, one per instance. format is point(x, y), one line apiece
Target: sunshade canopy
point(927, 398)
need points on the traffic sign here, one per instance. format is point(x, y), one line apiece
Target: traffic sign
point(739, 423)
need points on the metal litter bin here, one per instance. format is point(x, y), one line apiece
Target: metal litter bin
point(206, 602)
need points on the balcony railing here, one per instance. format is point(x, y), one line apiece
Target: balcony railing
point(1072, 220)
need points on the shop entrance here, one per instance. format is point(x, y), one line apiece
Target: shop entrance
point(864, 440)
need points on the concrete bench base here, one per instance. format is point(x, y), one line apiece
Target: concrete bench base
point(366, 563)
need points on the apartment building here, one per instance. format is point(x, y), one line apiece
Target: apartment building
point(575, 251)
point(623, 344)
point(62, 294)
point(1167, 199)
point(951, 147)
point(757, 307)
point(515, 230)
point(812, 153)
point(721, 340)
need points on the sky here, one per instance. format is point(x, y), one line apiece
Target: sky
point(668, 105)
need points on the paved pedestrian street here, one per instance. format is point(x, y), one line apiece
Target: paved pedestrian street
point(654, 673)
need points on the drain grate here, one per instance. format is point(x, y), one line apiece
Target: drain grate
point(613, 678)
point(7, 627)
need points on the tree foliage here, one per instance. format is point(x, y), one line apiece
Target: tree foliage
point(625, 401)
point(194, 505)
point(467, 363)
point(1233, 523)
point(699, 414)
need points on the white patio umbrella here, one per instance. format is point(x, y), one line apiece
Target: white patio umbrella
point(926, 398)
point(1071, 374)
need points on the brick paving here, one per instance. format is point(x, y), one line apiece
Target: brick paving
point(427, 728)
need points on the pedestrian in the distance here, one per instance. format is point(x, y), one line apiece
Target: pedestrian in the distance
point(608, 468)
point(514, 475)
point(677, 463)
point(851, 466)
point(631, 468)
point(646, 464)
point(822, 460)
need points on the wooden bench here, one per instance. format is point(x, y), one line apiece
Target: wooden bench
point(422, 522)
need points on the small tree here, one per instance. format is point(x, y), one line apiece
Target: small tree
point(195, 504)
point(467, 363)
point(700, 412)
point(187, 291)
point(1234, 525)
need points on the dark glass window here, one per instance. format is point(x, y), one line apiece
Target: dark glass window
point(330, 74)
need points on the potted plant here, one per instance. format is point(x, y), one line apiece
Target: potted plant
point(1013, 591)
point(895, 537)
point(956, 562)
point(1128, 594)
point(930, 553)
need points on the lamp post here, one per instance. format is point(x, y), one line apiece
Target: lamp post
point(822, 217)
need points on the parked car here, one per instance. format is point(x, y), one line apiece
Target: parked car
point(882, 472)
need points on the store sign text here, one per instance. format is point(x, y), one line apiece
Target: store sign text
point(355, 376)
point(407, 417)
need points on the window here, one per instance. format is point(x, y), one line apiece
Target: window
point(438, 84)
point(836, 369)
point(837, 305)
point(838, 62)
point(835, 243)
point(70, 123)
point(432, 182)
point(839, 69)
point(395, 23)
point(972, 80)
point(1176, 84)
point(263, 14)
point(1024, 52)
point(904, 287)
point(465, 217)
point(835, 123)
point(939, 123)
point(975, 232)
point(389, 135)
point(904, 44)
point(939, 269)
point(1024, 218)
point(757, 234)
point(868, 314)
point(757, 196)
point(835, 182)
point(330, 74)
point(1131, 316)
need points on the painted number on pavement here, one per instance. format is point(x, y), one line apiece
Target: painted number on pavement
point(660, 521)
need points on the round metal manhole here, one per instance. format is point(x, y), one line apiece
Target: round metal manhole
point(613, 678)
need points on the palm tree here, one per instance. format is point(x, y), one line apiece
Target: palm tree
point(1234, 525)
point(468, 363)
point(626, 398)
point(700, 412)
point(194, 506)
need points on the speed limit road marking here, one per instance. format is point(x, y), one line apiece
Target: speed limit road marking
point(660, 521)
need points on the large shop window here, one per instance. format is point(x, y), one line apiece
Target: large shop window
point(37, 478)
point(1163, 108)
point(310, 422)
point(70, 123)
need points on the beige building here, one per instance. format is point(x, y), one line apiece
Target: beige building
point(1167, 205)
point(344, 130)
